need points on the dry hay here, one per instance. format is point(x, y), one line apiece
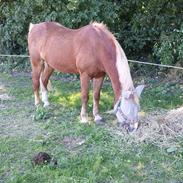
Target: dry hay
point(162, 128)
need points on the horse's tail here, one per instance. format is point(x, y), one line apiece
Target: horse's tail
point(31, 25)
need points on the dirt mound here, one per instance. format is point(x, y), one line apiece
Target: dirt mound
point(71, 142)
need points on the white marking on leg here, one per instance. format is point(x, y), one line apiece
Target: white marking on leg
point(83, 115)
point(45, 98)
point(44, 94)
point(96, 115)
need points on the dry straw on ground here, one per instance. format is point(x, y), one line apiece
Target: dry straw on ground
point(161, 128)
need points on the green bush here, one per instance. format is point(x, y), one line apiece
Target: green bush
point(170, 47)
point(146, 29)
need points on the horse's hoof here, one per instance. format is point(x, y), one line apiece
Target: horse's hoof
point(46, 104)
point(100, 121)
point(97, 118)
point(83, 120)
point(37, 104)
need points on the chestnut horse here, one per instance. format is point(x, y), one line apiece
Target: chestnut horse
point(91, 51)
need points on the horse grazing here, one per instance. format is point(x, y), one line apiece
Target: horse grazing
point(91, 51)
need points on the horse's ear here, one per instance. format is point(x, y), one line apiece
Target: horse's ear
point(139, 90)
point(128, 94)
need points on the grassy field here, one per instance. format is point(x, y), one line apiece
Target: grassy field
point(86, 153)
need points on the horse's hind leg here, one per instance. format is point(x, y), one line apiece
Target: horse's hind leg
point(84, 78)
point(36, 72)
point(97, 84)
point(45, 75)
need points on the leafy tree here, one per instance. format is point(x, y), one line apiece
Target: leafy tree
point(146, 29)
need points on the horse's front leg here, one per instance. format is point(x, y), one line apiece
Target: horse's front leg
point(84, 79)
point(97, 84)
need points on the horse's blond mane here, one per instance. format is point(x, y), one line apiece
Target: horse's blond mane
point(103, 27)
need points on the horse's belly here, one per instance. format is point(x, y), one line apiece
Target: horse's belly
point(91, 68)
point(64, 66)
point(61, 59)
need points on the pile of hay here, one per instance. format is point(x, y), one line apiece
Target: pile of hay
point(162, 128)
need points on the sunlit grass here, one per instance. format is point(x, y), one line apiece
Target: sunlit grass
point(163, 95)
point(66, 100)
point(67, 96)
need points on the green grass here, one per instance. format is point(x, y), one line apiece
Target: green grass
point(163, 95)
point(102, 156)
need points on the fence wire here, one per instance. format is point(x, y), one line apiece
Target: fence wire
point(132, 61)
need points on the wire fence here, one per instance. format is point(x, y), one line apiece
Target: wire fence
point(132, 61)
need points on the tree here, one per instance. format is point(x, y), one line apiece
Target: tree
point(146, 29)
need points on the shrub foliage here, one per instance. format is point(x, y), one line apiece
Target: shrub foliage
point(148, 30)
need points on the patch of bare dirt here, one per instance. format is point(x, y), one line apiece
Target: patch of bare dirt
point(3, 93)
point(5, 96)
point(15, 117)
point(71, 142)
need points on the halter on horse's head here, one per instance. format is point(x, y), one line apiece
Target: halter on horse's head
point(127, 108)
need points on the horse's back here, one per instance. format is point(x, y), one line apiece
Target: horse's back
point(37, 37)
point(72, 51)
point(39, 33)
point(47, 41)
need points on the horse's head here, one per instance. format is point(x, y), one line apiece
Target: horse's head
point(127, 108)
